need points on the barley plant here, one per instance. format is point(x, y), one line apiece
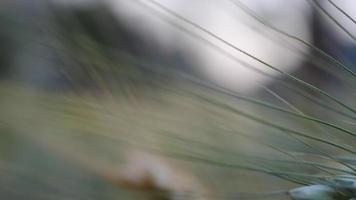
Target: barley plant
point(82, 118)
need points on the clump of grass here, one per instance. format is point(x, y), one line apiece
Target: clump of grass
point(239, 146)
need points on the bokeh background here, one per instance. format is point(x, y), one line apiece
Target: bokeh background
point(204, 99)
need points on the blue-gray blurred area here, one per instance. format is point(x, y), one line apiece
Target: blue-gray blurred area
point(43, 42)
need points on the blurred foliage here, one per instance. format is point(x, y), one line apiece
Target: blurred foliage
point(67, 137)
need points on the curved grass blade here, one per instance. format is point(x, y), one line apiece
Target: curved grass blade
point(325, 12)
point(289, 76)
point(318, 50)
point(342, 11)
